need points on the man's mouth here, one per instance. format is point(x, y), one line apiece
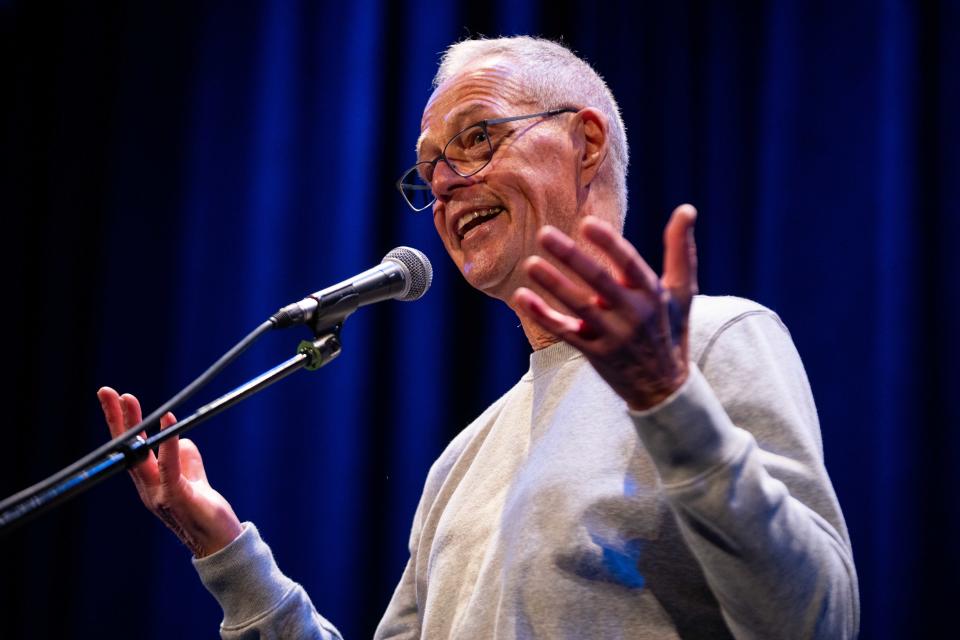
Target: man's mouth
point(475, 219)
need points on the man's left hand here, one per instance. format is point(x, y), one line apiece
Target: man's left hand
point(631, 325)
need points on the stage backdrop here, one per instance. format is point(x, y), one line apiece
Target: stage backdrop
point(175, 172)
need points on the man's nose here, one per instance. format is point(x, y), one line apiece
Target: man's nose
point(446, 181)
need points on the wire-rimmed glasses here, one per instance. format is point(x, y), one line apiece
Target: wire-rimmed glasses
point(466, 153)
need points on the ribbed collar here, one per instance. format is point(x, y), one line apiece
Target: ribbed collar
point(546, 360)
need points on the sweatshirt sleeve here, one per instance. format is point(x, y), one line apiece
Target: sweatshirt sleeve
point(259, 601)
point(401, 620)
point(739, 454)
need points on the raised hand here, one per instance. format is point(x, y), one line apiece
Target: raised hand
point(631, 325)
point(173, 484)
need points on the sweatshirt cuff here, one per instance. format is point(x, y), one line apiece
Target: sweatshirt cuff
point(244, 578)
point(689, 433)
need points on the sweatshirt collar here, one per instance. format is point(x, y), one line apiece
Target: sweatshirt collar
point(550, 358)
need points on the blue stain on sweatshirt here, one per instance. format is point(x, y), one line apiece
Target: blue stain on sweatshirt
point(615, 561)
point(621, 564)
point(629, 486)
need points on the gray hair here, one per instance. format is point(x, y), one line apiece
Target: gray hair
point(554, 77)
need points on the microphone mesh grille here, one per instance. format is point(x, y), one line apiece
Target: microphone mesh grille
point(421, 272)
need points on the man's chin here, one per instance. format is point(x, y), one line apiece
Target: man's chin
point(488, 276)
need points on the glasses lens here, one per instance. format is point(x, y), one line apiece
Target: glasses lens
point(415, 188)
point(470, 150)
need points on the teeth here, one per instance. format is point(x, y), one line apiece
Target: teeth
point(473, 215)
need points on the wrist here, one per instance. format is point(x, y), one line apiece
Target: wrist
point(205, 535)
point(221, 538)
point(221, 530)
point(650, 396)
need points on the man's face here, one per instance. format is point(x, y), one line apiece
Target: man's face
point(531, 180)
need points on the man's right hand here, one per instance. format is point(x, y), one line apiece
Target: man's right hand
point(173, 483)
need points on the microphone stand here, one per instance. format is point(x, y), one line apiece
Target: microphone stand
point(311, 355)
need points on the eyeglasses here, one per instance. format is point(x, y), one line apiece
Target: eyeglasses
point(466, 153)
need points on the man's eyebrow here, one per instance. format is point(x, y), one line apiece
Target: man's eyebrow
point(466, 113)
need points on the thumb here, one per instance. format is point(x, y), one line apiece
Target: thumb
point(680, 254)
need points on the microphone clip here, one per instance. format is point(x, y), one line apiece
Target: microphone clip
point(322, 350)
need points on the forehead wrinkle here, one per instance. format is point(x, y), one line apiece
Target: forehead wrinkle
point(495, 84)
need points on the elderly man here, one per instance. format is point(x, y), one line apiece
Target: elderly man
point(658, 472)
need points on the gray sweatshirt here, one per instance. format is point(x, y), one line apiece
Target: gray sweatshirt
point(559, 513)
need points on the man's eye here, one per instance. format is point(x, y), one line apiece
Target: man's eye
point(474, 139)
point(479, 138)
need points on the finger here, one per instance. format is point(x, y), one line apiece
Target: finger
point(559, 324)
point(146, 470)
point(112, 410)
point(582, 304)
point(592, 272)
point(680, 254)
point(168, 455)
point(112, 405)
point(635, 271)
point(191, 463)
point(131, 410)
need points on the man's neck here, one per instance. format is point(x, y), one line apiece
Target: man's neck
point(536, 336)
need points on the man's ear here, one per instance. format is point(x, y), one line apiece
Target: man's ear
point(593, 128)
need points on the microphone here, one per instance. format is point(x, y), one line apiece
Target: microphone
point(404, 274)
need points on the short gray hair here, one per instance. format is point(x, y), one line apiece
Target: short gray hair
point(555, 77)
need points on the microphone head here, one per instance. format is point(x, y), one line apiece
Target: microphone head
point(418, 268)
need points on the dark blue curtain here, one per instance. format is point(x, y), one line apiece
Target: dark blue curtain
point(173, 173)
